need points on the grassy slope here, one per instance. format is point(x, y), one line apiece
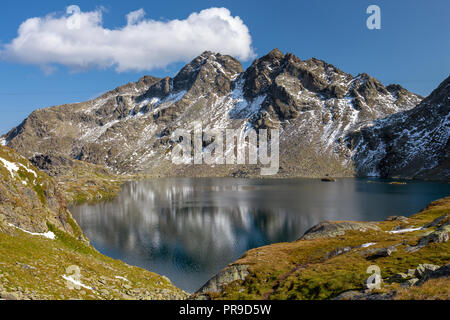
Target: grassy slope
point(32, 266)
point(299, 270)
point(86, 182)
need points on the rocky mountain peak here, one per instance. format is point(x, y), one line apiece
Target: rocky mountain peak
point(293, 86)
point(366, 84)
point(275, 54)
point(260, 75)
point(313, 75)
point(207, 67)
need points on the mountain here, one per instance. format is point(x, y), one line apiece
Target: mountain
point(413, 143)
point(327, 119)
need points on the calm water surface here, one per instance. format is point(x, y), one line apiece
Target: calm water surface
point(190, 229)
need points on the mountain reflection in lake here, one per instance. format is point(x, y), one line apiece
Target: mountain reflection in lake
point(190, 229)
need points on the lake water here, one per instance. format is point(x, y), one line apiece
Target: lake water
point(190, 229)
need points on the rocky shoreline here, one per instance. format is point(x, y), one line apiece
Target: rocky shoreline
point(331, 260)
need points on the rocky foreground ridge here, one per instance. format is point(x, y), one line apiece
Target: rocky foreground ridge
point(39, 241)
point(331, 261)
point(331, 122)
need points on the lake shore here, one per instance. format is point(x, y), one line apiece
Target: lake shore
point(331, 261)
point(206, 223)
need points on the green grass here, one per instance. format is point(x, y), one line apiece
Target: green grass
point(299, 269)
point(49, 259)
point(32, 266)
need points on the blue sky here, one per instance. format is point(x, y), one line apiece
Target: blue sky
point(412, 48)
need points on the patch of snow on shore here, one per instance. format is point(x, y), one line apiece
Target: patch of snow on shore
point(368, 244)
point(48, 235)
point(122, 278)
point(75, 282)
point(406, 230)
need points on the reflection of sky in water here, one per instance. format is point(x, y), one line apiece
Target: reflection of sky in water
point(189, 229)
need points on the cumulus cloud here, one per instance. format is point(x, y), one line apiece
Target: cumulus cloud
point(79, 41)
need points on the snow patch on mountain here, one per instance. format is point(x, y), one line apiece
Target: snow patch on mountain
point(13, 167)
point(49, 235)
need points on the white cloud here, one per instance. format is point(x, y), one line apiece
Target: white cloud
point(135, 16)
point(143, 44)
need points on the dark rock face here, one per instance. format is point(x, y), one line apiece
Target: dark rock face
point(259, 76)
point(331, 122)
point(434, 273)
point(53, 165)
point(413, 143)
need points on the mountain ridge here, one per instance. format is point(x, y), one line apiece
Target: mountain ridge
point(316, 106)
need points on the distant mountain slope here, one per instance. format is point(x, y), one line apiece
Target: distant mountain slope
point(413, 143)
point(316, 106)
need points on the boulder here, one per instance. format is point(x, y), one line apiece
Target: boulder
point(348, 295)
point(330, 229)
point(396, 218)
point(440, 235)
point(399, 278)
point(355, 295)
point(381, 253)
point(441, 272)
point(228, 275)
point(423, 269)
point(409, 283)
point(8, 296)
